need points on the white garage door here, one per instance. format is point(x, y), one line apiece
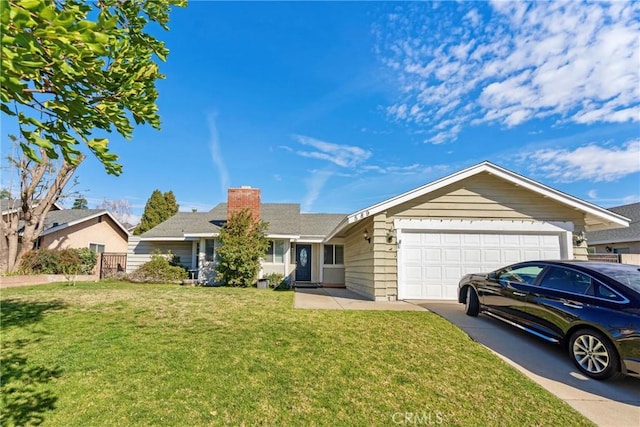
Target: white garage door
point(431, 264)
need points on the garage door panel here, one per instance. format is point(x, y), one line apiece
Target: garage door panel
point(412, 238)
point(433, 263)
point(430, 254)
point(472, 256)
point(450, 239)
point(413, 254)
point(491, 256)
point(471, 239)
point(452, 256)
point(490, 240)
point(509, 240)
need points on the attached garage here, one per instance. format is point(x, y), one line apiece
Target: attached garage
point(431, 261)
point(419, 244)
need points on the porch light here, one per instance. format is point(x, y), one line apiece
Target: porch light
point(391, 234)
point(366, 235)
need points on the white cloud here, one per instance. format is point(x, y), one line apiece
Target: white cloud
point(314, 184)
point(216, 155)
point(590, 162)
point(341, 155)
point(509, 62)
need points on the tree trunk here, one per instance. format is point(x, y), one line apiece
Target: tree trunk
point(37, 196)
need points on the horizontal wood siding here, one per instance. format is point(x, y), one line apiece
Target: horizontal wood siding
point(358, 260)
point(486, 197)
point(140, 251)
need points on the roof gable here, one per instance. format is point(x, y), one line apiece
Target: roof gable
point(596, 217)
point(57, 220)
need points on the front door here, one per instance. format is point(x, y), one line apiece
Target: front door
point(303, 263)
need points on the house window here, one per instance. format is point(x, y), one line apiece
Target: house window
point(209, 251)
point(333, 254)
point(275, 252)
point(97, 247)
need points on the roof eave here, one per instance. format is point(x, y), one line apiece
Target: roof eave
point(607, 219)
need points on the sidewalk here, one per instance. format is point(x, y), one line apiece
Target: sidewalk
point(343, 299)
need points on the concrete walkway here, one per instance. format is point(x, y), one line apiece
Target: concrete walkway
point(605, 403)
point(343, 299)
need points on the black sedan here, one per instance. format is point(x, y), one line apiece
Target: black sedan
point(591, 308)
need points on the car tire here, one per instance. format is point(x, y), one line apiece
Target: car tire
point(471, 304)
point(594, 355)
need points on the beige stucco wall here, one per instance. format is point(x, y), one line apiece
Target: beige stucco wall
point(101, 230)
point(371, 268)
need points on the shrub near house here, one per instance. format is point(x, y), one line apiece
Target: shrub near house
point(52, 261)
point(162, 268)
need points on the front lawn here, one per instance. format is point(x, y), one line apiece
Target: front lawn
point(127, 354)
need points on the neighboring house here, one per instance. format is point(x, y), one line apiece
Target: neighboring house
point(618, 240)
point(416, 245)
point(95, 229)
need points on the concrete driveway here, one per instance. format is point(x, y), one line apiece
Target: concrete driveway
point(605, 403)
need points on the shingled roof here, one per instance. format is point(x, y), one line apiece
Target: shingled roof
point(615, 235)
point(57, 219)
point(284, 219)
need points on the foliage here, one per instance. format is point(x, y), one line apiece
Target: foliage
point(72, 67)
point(274, 279)
point(41, 261)
point(88, 260)
point(242, 245)
point(161, 269)
point(159, 208)
point(244, 357)
point(80, 203)
point(40, 185)
point(68, 261)
point(5, 194)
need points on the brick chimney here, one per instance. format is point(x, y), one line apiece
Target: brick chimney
point(243, 198)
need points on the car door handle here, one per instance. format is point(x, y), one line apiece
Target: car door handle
point(520, 294)
point(572, 304)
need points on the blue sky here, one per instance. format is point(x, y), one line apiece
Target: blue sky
point(340, 105)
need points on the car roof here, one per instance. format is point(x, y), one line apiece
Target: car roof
point(598, 266)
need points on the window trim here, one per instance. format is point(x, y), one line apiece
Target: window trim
point(333, 250)
point(274, 253)
point(104, 247)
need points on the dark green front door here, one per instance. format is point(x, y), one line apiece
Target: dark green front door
point(303, 263)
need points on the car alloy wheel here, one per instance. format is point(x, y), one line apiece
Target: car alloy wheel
point(591, 354)
point(594, 355)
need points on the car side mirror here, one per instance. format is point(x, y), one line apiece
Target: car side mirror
point(492, 276)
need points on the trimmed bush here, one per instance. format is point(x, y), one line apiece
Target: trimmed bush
point(159, 270)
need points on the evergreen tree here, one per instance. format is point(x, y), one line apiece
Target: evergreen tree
point(243, 244)
point(80, 203)
point(155, 212)
point(172, 205)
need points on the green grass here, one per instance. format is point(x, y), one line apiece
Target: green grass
point(125, 354)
